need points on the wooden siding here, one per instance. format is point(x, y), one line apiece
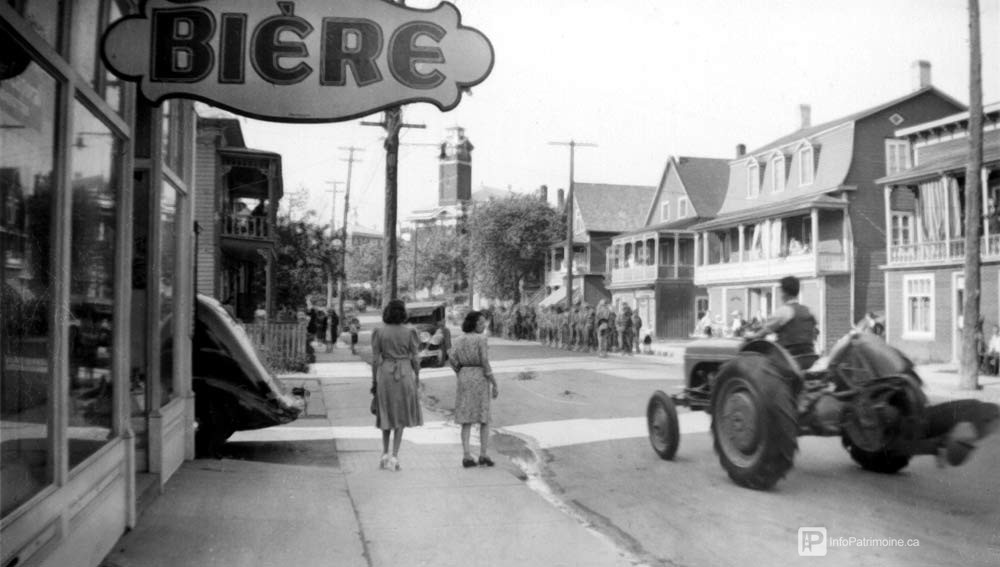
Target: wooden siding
point(675, 316)
point(941, 346)
point(205, 215)
point(836, 310)
point(868, 200)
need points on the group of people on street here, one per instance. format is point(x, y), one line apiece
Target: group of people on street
point(396, 383)
point(583, 328)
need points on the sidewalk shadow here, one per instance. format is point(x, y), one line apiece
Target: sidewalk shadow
point(317, 453)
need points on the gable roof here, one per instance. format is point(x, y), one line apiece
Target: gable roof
point(612, 208)
point(803, 133)
point(705, 181)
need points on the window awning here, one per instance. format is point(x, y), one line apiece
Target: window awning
point(771, 210)
point(559, 296)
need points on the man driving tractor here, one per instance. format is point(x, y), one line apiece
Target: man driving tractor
point(793, 324)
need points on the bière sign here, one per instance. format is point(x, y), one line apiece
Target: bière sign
point(301, 61)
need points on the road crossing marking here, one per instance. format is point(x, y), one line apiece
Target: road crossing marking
point(545, 434)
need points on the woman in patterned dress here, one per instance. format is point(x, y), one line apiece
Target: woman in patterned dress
point(476, 386)
point(396, 380)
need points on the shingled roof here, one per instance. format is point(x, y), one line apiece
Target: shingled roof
point(612, 208)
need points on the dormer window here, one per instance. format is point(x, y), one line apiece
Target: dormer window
point(665, 211)
point(682, 207)
point(778, 173)
point(806, 165)
point(753, 180)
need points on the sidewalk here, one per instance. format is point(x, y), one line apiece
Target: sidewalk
point(327, 504)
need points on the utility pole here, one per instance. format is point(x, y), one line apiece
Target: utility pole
point(342, 284)
point(569, 215)
point(333, 234)
point(973, 208)
point(392, 121)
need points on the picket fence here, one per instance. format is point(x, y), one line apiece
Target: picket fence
point(279, 345)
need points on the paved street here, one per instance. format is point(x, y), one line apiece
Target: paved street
point(572, 425)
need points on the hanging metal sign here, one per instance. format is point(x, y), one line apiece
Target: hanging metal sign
point(302, 61)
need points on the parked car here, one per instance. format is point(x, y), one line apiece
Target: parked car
point(233, 390)
point(428, 318)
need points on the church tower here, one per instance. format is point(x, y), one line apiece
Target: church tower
point(455, 168)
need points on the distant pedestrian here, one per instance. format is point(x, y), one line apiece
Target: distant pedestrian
point(334, 323)
point(317, 325)
point(476, 386)
point(354, 327)
point(636, 330)
point(395, 380)
point(602, 316)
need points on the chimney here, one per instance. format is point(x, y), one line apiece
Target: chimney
point(921, 74)
point(805, 113)
point(543, 193)
point(741, 150)
point(560, 198)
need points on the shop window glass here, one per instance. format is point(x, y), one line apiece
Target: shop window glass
point(112, 84)
point(27, 134)
point(95, 183)
point(84, 34)
point(168, 255)
point(42, 15)
point(171, 146)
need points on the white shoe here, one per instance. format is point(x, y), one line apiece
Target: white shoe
point(384, 463)
point(394, 464)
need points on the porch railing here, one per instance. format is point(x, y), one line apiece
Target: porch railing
point(246, 226)
point(280, 346)
point(649, 273)
point(942, 251)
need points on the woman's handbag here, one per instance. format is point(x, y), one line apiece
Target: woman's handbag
point(374, 405)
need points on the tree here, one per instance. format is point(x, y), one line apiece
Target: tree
point(305, 258)
point(364, 263)
point(441, 258)
point(509, 238)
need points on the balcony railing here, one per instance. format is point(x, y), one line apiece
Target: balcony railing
point(246, 226)
point(942, 251)
point(805, 265)
point(650, 273)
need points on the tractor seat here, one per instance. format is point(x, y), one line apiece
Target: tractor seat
point(806, 361)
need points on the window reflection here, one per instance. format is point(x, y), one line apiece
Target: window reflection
point(112, 84)
point(95, 195)
point(41, 15)
point(168, 246)
point(27, 108)
point(83, 54)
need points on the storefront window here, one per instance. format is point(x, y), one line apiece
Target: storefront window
point(112, 84)
point(85, 31)
point(95, 203)
point(42, 15)
point(171, 148)
point(27, 134)
point(168, 247)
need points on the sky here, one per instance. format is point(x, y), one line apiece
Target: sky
point(642, 80)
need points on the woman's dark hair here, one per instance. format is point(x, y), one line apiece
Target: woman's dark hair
point(395, 312)
point(469, 323)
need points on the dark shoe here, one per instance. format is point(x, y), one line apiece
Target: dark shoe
point(485, 462)
point(960, 443)
point(468, 463)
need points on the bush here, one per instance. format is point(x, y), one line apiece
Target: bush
point(277, 363)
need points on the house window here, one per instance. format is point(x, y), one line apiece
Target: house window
point(682, 208)
point(806, 165)
point(753, 180)
point(902, 229)
point(897, 156)
point(778, 174)
point(665, 211)
point(918, 306)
